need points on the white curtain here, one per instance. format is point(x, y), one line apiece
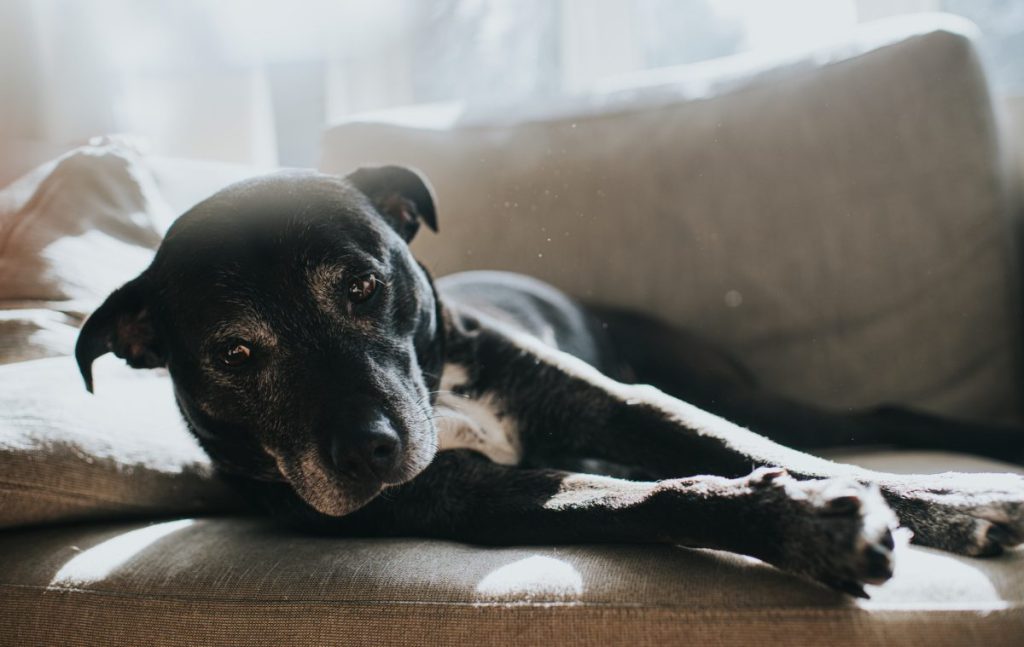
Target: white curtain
point(255, 81)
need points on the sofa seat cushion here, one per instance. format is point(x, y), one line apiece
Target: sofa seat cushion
point(68, 455)
point(245, 581)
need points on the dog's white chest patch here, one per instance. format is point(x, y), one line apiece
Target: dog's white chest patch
point(476, 423)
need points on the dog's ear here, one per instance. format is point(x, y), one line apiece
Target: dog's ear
point(122, 325)
point(401, 195)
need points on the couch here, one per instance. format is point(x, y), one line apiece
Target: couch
point(842, 219)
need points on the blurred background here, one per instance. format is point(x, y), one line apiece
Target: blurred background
point(824, 187)
point(256, 81)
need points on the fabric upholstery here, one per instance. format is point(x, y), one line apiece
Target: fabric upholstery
point(34, 332)
point(94, 217)
point(77, 227)
point(70, 232)
point(838, 213)
point(734, 248)
point(244, 581)
point(66, 455)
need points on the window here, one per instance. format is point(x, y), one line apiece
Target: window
point(256, 80)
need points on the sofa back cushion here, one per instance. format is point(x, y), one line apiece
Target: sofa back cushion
point(837, 221)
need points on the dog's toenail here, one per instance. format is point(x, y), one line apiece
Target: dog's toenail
point(999, 535)
point(888, 541)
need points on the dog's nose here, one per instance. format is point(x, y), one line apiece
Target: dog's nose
point(373, 449)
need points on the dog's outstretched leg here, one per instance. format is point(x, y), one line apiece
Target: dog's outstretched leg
point(834, 531)
point(564, 407)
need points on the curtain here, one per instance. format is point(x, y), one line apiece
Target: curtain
point(256, 81)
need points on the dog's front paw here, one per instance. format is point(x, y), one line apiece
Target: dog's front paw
point(970, 514)
point(835, 531)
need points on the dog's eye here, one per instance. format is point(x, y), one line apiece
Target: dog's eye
point(362, 288)
point(236, 354)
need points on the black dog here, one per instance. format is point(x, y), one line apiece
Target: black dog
point(320, 367)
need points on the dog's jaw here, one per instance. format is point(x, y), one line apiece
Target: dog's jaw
point(333, 495)
point(320, 489)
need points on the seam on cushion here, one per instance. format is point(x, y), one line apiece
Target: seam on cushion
point(7, 486)
point(623, 606)
point(967, 372)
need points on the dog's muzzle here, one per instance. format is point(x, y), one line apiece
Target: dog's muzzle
point(371, 452)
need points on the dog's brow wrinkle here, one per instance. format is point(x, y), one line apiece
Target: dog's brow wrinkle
point(248, 326)
point(323, 280)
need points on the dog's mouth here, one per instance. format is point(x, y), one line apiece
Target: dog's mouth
point(336, 494)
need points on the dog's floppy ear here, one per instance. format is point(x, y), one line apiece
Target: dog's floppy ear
point(401, 195)
point(121, 325)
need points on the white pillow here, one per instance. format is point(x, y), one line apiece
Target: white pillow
point(77, 228)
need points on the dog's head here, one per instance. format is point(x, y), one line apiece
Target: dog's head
point(300, 333)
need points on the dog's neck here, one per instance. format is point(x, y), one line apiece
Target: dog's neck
point(431, 341)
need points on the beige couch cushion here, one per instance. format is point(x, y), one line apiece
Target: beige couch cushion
point(66, 455)
point(837, 221)
point(244, 582)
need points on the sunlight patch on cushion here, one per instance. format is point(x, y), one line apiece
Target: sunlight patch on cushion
point(530, 578)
